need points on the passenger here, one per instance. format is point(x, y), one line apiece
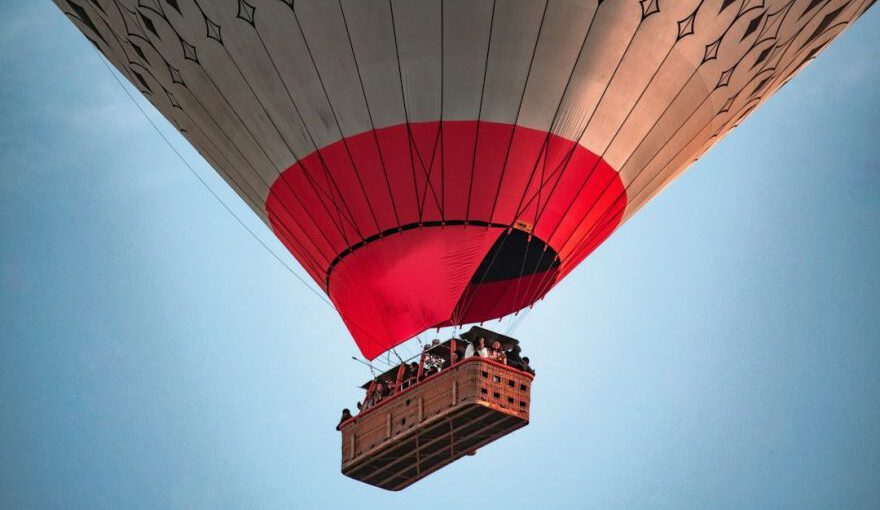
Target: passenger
point(477, 349)
point(387, 388)
point(346, 415)
point(514, 359)
point(497, 353)
point(432, 363)
point(526, 366)
point(377, 395)
point(409, 374)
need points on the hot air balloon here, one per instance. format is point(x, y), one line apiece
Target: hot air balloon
point(444, 162)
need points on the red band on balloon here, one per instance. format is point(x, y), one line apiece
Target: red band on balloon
point(339, 211)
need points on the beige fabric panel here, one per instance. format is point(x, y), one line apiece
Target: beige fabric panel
point(649, 85)
point(761, 46)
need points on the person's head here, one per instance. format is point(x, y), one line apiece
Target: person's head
point(481, 342)
point(516, 349)
point(526, 360)
point(346, 412)
point(496, 345)
point(435, 341)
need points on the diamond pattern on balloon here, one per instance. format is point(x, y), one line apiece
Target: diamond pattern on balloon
point(748, 5)
point(763, 84)
point(213, 30)
point(763, 55)
point(725, 77)
point(649, 7)
point(810, 7)
point(753, 25)
point(246, 11)
point(686, 26)
point(825, 23)
point(173, 100)
point(770, 30)
point(148, 23)
point(728, 104)
point(711, 51)
point(176, 77)
point(189, 51)
point(149, 4)
point(137, 49)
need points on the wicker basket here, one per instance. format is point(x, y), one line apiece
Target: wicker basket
point(434, 422)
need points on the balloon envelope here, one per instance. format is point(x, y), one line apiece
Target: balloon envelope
point(433, 163)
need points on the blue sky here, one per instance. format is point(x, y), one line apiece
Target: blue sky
point(721, 350)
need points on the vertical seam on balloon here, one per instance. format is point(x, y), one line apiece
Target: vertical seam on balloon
point(442, 95)
point(311, 138)
point(547, 137)
point(430, 167)
point(244, 158)
point(370, 116)
point(599, 159)
point(282, 177)
point(602, 219)
point(249, 163)
point(281, 174)
point(438, 137)
point(208, 188)
point(480, 113)
point(354, 168)
point(237, 116)
point(403, 103)
point(317, 151)
point(576, 142)
point(231, 109)
point(467, 304)
point(522, 97)
point(256, 204)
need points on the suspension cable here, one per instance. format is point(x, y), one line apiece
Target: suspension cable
point(207, 187)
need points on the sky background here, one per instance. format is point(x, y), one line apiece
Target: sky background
point(721, 350)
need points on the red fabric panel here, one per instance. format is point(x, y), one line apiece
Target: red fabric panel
point(392, 289)
point(491, 300)
point(377, 181)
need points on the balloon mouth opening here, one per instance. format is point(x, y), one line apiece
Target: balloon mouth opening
point(399, 230)
point(515, 254)
point(517, 271)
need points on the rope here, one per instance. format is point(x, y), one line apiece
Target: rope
point(219, 200)
point(208, 187)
